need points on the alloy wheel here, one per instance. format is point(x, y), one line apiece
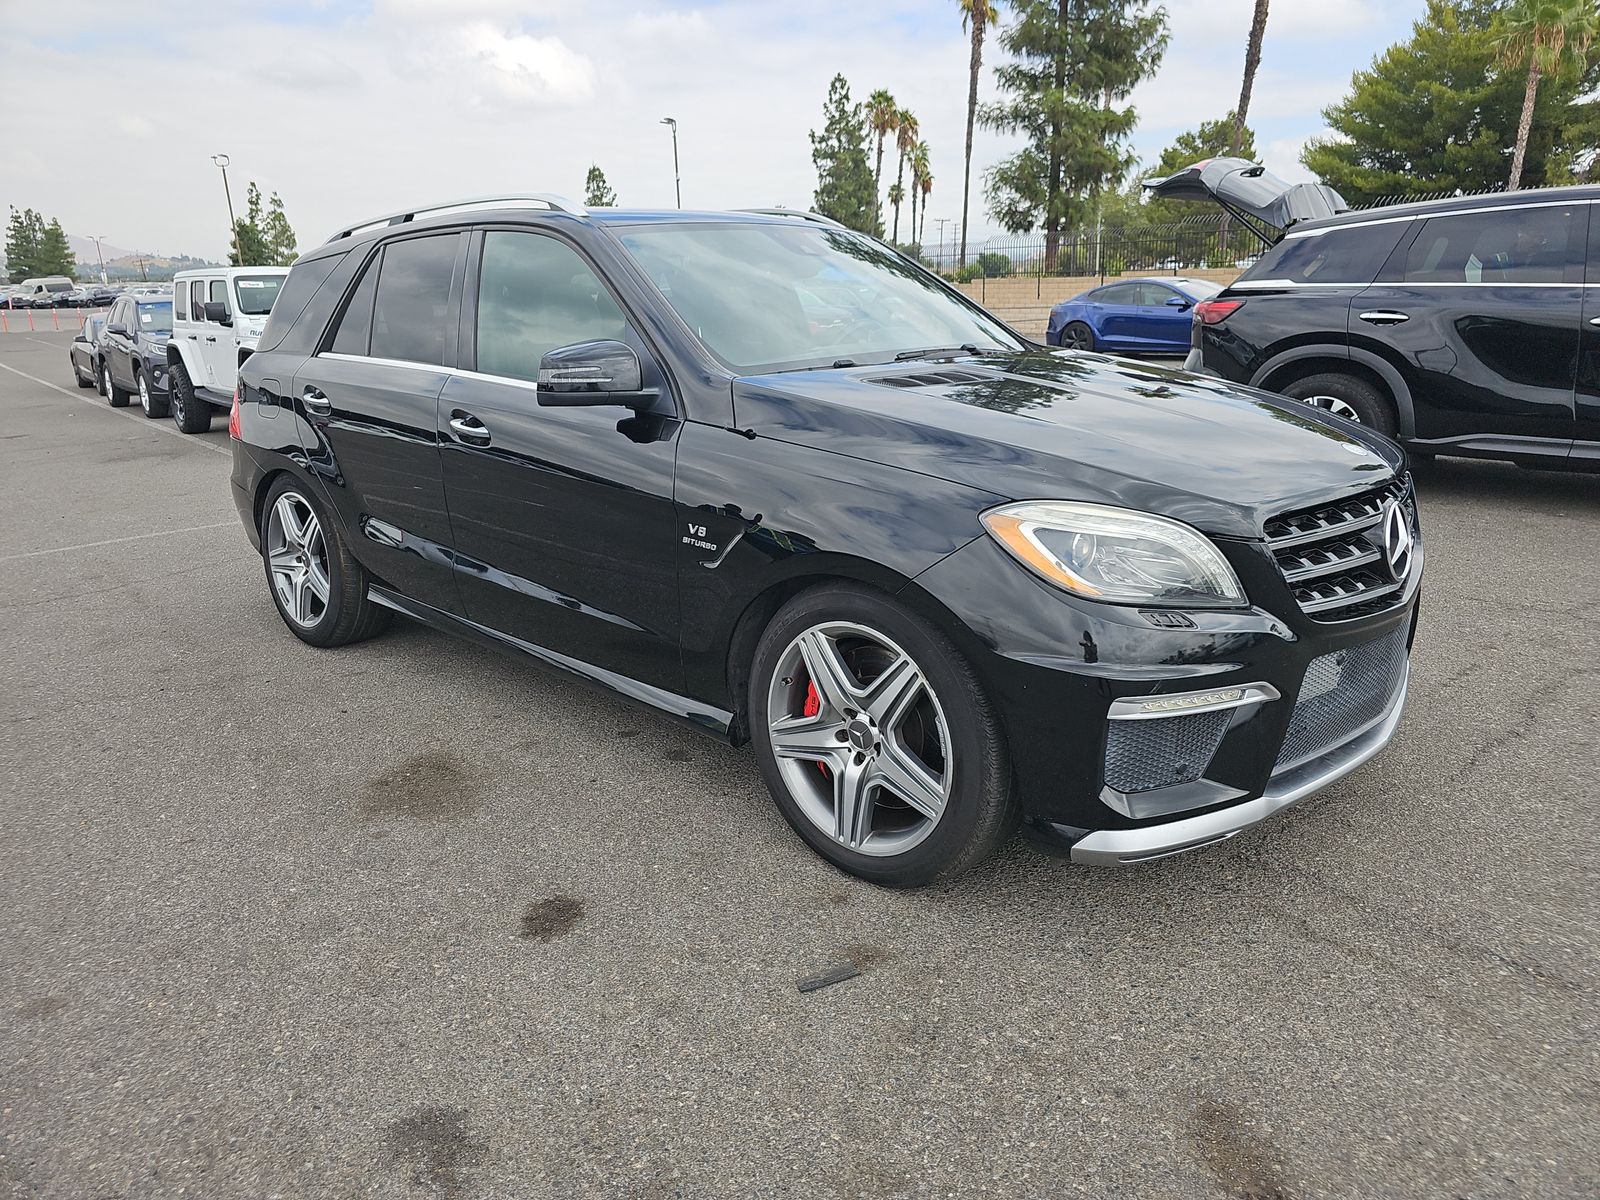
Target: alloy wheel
point(1078, 337)
point(104, 381)
point(860, 738)
point(144, 393)
point(297, 557)
point(1333, 404)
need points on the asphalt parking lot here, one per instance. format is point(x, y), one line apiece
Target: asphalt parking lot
point(409, 918)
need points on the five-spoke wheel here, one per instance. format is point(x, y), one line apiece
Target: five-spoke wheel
point(297, 557)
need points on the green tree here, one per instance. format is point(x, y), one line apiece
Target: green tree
point(1070, 59)
point(55, 255)
point(906, 133)
point(918, 158)
point(24, 232)
point(282, 246)
point(977, 15)
point(1213, 139)
point(597, 192)
point(1552, 37)
point(1432, 114)
point(845, 189)
point(250, 245)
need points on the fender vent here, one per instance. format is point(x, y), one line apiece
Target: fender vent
point(923, 379)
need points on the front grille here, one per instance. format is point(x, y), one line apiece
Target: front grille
point(1162, 752)
point(1342, 694)
point(1332, 557)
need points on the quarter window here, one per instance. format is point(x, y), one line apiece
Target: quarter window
point(534, 295)
point(1517, 245)
point(411, 311)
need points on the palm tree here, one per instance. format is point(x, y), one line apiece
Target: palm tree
point(905, 137)
point(919, 172)
point(1252, 60)
point(883, 118)
point(896, 194)
point(927, 190)
point(1550, 36)
point(979, 15)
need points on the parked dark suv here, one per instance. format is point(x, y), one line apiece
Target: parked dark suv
point(1468, 326)
point(944, 579)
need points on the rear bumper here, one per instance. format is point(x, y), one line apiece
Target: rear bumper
point(1119, 846)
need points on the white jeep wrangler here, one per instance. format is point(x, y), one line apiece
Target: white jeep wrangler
point(217, 317)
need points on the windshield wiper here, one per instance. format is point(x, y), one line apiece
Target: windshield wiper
point(936, 352)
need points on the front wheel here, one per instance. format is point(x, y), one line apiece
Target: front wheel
point(189, 412)
point(319, 588)
point(876, 739)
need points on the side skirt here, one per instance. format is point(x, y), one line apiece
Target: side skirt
point(703, 717)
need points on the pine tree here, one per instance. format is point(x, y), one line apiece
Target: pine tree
point(282, 246)
point(22, 245)
point(55, 252)
point(845, 190)
point(597, 192)
point(1070, 59)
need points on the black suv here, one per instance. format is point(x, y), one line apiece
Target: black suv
point(1468, 326)
point(943, 578)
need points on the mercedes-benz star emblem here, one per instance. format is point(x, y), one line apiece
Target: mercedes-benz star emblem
point(1397, 541)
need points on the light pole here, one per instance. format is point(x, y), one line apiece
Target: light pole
point(222, 160)
point(941, 222)
point(101, 257)
point(677, 181)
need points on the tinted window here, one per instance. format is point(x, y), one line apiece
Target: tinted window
point(412, 309)
point(299, 286)
point(354, 334)
point(1338, 256)
point(1518, 245)
point(1118, 293)
point(535, 294)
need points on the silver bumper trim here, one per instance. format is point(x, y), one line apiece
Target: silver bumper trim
point(1117, 846)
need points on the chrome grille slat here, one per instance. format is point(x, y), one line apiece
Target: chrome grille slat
point(1312, 570)
point(1329, 558)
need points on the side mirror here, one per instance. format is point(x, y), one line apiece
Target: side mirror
point(119, 329)
point(1177, 302)
point(593, 374)
point(81, 337)
point(217, 311)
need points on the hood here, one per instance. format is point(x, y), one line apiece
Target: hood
point(1247, 189)
point(1065, 425)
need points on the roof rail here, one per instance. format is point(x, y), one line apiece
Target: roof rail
point(545, 200)
point(798, 213)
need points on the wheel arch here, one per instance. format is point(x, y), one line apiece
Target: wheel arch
point(1281, 370)
point(181, 352)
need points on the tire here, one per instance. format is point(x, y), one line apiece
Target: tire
point(77, 377)
point(296, 553)
point(190, 413)
point(941, 736)
point(154, 406)
point(109, 389)
point(1075, 335)
point(1346, 396)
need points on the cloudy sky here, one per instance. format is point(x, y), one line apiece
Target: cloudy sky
point(349, 109)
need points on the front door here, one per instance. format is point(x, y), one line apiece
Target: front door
point(1481, 311)
point(1587, 431)
point(368, 398)
point(1117, 314)
point(564, 527)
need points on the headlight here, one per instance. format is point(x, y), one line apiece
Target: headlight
point(1112, 554)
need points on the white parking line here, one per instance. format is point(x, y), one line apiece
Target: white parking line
point(132, 537)
point(144, 422)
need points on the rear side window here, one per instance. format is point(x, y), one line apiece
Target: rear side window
point(411, 312)
point(197, 299)
point(1118, 293)
point(1351, 255)
point(1517, 245)
point(299, 286)
point(354, 334)
point(180, 302)
point(534, 295)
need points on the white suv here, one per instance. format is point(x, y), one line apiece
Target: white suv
point(217, 318)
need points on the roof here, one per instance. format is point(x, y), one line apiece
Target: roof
point(1422, 208)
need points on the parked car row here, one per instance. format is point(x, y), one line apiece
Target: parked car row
point(51, 294)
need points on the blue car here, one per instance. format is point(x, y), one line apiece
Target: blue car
point(1131, 316)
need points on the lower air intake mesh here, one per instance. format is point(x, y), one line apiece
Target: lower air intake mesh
point(1144, 755)
point(1343, 693)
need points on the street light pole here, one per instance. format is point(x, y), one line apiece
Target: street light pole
point(677, 180)
point(222, 160)
point(101, 257)
point(941, 222)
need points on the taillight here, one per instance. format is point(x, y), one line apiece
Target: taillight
point(1214, 312)
point(233, 417)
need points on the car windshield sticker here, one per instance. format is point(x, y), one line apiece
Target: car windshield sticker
point(251, 283)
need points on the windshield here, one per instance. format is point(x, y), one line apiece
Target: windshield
point(773, 297)
point(156, 317)
point(256, 293)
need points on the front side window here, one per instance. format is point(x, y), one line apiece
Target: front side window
point(1153, 295)
point(1350, 256)
point(1516, 245)
point(219, 291)
point(536, 294)
point(411, 311)
point(771, 297)
point(256, 293)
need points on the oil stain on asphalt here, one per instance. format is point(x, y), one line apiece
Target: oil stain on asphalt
point(1245, 1164)
point(434, 786)
point(549, 919)
point(438, 1149)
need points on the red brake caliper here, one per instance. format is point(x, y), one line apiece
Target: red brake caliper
point(812, 707)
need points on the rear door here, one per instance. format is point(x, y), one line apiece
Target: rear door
point(1587, 407)
point(217, 345)
point(368, 398)
point(1480, 310)
point(565, 532)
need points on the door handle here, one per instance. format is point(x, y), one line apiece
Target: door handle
point(1383, 317)
point(316, 403)
point(469, 429)
point(211, 339)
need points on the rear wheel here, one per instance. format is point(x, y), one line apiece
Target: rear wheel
point(876, 739)
point(320, 590)
point(109, 389)
point(78, 376)
point(1077, 336)
point(1345, 396)
point(189, 412)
